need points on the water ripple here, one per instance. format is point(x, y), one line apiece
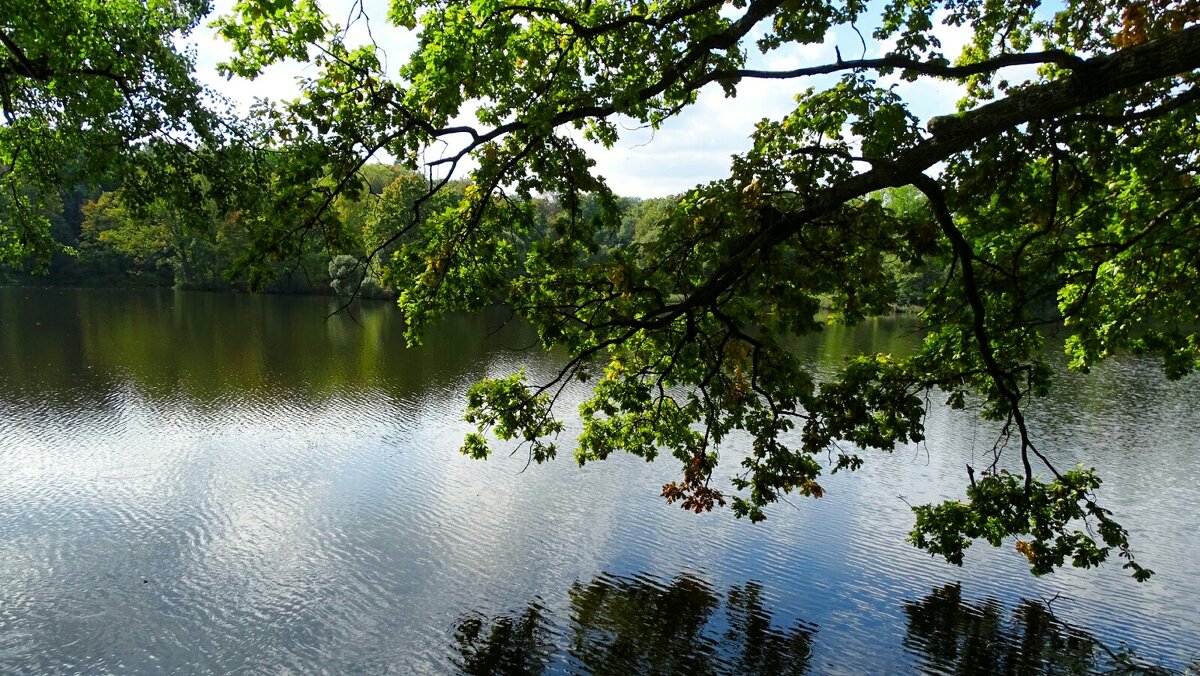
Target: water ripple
point(266, 499)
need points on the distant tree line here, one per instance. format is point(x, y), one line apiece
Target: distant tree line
point(103, 237)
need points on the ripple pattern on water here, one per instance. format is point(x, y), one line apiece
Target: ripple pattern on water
point(230, 511)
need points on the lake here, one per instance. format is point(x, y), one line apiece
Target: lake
point(218, 483)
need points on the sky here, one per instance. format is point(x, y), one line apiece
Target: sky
point(692, 148)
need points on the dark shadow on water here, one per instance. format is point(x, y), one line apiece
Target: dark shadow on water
point(644, 625)
point(640, 625)
point(521, 644)
point(952, 635)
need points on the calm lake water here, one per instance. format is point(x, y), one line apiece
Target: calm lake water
point(203, 483)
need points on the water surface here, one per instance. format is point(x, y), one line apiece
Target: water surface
point(207, 483)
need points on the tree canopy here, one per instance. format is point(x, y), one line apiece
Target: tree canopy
point(1063, 192)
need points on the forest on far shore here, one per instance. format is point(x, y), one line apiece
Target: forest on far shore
point(103, 241)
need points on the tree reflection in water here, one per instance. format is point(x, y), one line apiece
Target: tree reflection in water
point(505, 645)
point(639, 625)
point(629, 625)
point(644, 625)
point(953, 635)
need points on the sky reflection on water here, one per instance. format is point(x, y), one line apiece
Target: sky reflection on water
point(204, 483)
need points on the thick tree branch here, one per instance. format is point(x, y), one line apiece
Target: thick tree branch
point(896, 61)
point(1099, 78)
point(20, 64)
point(1167, 107)
point(1088, 82)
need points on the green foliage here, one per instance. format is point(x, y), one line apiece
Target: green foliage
point(1071, 198)
point(27, 219)
point(1002, 505)
point(508, 408)
point(401, 209)
point(352, 278)
point(85, 87)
